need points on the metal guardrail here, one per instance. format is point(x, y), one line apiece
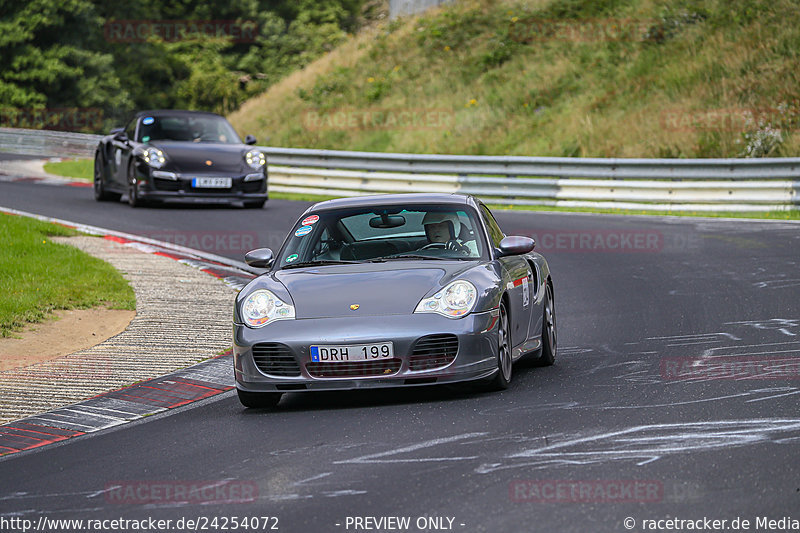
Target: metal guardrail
point(48, 143)
point(646, 184)
point(401, 8)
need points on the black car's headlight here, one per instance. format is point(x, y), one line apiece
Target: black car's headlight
point(456, 300)
point(255, 159)
point(153, 157)
point(262, 307)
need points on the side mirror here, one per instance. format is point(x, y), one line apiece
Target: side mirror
point(119, 134)
point(516, 245)
point(249, 139)
point(259, 258)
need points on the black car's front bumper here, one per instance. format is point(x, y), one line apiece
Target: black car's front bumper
point(476, 355)
point(182, 190)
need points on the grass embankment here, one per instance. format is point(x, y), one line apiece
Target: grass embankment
point(38, 276)
point(589, 78)
point(79, 169)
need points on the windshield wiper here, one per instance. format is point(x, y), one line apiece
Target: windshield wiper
point(411, 256)
point(320, 262)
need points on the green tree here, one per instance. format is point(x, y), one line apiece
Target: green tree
point(50, 58)
point(56, 54)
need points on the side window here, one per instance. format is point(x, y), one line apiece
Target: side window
point(495, 233)
point(130, 129)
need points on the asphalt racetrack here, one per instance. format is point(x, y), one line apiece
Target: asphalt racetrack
point(674, 397)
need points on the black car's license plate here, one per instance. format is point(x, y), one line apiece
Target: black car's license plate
point(211, 183)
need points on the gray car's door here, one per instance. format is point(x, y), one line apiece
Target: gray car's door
point(517, 277)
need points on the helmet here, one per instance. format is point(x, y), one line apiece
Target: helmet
point(436, 217)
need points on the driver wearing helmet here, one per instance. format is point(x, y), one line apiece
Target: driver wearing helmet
point(445, 227)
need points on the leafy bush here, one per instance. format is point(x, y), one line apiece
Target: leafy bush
point(55, 54)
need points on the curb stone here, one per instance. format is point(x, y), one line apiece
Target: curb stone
point(33, 170)
point(37, 401)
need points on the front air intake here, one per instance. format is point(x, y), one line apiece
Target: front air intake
point(275, 359)
point(434, 351)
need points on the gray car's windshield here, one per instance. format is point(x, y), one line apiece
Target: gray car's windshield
point(385, 233)
point(194, 128)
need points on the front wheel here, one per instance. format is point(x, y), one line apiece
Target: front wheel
point(259, 400)
point(505, 364)
point(100, 193)
point(133, 190)
point(549, 346)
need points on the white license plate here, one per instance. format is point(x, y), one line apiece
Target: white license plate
point(211, 183)
point(352, 352)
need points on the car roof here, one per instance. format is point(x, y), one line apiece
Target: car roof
point(394, 199)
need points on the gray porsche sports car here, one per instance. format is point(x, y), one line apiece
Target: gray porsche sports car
point(388, 291)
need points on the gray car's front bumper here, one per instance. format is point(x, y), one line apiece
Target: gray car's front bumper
point(475, 359)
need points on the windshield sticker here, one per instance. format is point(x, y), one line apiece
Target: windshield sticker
point(292, 258)
point(313, 219)
point(305, 230)
point(148, 120)
point(145, 138)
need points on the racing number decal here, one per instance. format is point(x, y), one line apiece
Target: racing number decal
point(526, 287)
point(526, 294)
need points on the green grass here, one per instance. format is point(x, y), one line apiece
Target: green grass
point(81, 169)
point(301, 197)
point(675, 80)
point(766, 215)
point(38, 276)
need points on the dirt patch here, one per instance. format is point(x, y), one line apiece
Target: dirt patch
point(72, 331)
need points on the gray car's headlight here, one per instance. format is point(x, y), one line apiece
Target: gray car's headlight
point(255, 159)
point(154, 157)
point(261, 307)
point(457, 299)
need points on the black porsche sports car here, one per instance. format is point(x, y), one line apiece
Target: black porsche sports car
point(188, 156)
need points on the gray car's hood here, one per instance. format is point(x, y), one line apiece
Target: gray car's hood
point(377, 289)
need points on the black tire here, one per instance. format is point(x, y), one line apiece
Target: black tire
point(505, 364)
point(259, 400)
point(100, 192)
point(133, 194)
point(549, 334)
point(257, 204)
